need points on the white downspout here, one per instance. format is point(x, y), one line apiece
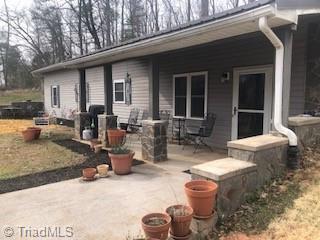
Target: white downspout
point(277, 113)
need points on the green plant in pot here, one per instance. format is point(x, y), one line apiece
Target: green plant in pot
point(121, 159)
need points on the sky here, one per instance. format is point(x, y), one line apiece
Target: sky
point(16, 4)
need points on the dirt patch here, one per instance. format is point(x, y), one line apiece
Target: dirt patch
point(91, 159)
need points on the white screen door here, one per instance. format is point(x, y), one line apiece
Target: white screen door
point(252, 101)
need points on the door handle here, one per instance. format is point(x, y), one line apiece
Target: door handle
point(235, 110)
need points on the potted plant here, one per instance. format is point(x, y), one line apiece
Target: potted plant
point(156, 225)
point(181, 217)
point(116, 137)
point(28, 135)
point(201, 196)
point(121, 160)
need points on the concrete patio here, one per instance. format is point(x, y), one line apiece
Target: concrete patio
point(109, 208)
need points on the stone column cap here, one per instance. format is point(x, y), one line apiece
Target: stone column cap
point(258, 143)
point(106, 115)
point(297, 121)
point(222, 169)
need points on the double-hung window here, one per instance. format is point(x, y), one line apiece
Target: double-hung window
point(190, 95)
point(119, 91)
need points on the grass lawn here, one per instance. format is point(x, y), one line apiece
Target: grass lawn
point(19, 158)
point(7, 97)
point(288, 209)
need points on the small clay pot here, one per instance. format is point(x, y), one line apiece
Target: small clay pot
point(156, 225)
point(89, 173)
point(28, 135)
point(103, 169)
point(94, 142)
point(37, 131)
point(201, 196)
point(181, 217)
point(121, 163)
point(97, 148)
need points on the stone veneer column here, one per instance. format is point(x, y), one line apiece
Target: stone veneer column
point(154, 140)
point(106, 122)
point(81, 120)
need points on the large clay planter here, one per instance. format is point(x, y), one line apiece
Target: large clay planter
point(28, 135)
point(181, 217)
point(116, 137)
point(121, 163)
point(201, 196)
point(37, 132)
point(156, 225)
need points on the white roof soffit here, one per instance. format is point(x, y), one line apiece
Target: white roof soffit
point(234, 25)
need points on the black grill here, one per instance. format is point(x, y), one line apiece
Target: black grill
point(94, 111)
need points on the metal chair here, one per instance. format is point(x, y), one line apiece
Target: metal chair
point(132, 120)
point(198, 134)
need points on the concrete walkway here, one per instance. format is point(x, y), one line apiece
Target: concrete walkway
point(109, 208)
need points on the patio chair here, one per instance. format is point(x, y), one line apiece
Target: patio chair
point(132, 121)
point(198, 134)
point(165, 115)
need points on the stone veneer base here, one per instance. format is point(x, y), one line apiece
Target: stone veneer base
point(154, 140)
point(81, 120)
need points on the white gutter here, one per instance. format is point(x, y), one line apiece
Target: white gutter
point(277, 113)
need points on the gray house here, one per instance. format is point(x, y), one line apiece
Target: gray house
point(247, 65)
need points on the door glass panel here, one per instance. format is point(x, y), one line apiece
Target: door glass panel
point(251, 91)
point(197, 96)
point(250, 124)
point(180, 96)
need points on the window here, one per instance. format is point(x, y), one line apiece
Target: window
point(55, 96)
point(119, 91)
point(190, 95)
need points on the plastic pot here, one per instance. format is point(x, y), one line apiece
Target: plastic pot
point(181, 217)
point(121, 163)
point(201, 195)
point(156, 225)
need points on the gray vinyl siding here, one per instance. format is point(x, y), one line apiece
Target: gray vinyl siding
point(299, 70)
point(138, 70)
point(94, 77)
point(66, 80)
point(215, 60)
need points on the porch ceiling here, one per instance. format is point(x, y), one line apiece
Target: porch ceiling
point(226, 27)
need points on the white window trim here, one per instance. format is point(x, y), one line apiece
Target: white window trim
point(58, 96)
point(188, 105)
point(124, 90)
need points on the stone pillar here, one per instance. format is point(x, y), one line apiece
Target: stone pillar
point(106, 122)
point(81, 120)
point(154, 140)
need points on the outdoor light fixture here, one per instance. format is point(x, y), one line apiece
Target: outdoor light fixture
point(225, 77)
point(128, 88)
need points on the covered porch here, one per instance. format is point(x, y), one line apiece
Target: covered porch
point(227, 69)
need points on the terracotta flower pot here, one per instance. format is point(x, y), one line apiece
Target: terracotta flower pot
point(116, 137)
point(181, 217)
point(89, 173)
point(28, 135)
point(94, 142)
point(121, 163)
point(156, 225)
point(201, 196)
point(97, 148)
point(37, 132)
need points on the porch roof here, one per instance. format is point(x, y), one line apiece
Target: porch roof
point(227, 24)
